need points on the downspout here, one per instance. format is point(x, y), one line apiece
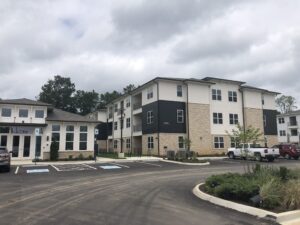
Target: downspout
point(187, 115)
point(131, 124)
point(243, 111)
point(158, 120)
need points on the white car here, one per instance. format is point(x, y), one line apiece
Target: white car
point(251, 151)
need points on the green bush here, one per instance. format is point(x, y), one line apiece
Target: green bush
point(271, 193)
point(54, 150)
point(90, 157)
point(70, 157)
point(291, 195)
point(80, 157)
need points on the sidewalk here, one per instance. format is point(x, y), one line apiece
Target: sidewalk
point(99, 160)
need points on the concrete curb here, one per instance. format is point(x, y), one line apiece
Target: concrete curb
point(189, 164)
point(212, 158)
point(282, 218)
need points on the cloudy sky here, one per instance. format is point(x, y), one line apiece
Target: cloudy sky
point(105, 45)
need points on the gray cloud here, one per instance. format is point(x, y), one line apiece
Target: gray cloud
point(105, 45)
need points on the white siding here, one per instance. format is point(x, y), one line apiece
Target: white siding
point(199, 93)
point(269, 100)
point(168, 91)
point(252, 99)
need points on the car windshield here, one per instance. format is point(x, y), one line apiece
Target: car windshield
point(254, 145)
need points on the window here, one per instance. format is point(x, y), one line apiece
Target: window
point(233, 118)
point(179, 90)
point(282, 133)
point(219, 142)
point(6, 112)
point(180, 142)
point(39, 113)
point(23, 112)
point(262, 100)
point(115, 144)
point(233, 143)
point(83, 138)
point(116, 107)
point(232, 96)
point(127, 122)
point(110, 109)
point(149, 117)
point(150, 93)
point(218, 118)
point(128, 143)
point(55, 133)
point(216, 94)
point(281, 120)
point(127, 103)
point(115, 125)
point(3, 140)
point(69, 137)
point(180, 116)
point(150, 143)
point(294, 132)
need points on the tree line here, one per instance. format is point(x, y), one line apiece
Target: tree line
point(62, 94)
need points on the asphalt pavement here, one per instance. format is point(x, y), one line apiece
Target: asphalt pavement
point(131, 193)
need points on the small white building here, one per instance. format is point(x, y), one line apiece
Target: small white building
point(288, 127)
point(28, 127)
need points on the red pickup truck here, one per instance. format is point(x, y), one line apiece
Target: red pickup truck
point(288, 151)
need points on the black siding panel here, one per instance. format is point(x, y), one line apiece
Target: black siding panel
point(166, 117)
point(105, 130)
point(150, 128)
point(270, 128)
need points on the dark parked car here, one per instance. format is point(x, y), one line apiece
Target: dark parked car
point(4, 159)
point(289, 151)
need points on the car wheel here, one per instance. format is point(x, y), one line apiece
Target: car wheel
point(287, 156)
point(270, 159)
point(231, 155)
point(258, 157)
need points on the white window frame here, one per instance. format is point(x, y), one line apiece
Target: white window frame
point(127, 122)
point(219, 142)
point(296, 134)
point(216, 94)
point(39, 111)
point(8, 110)
point(150, 117)
point(116, 125)
point(217, 118)
point(24, 110)
point(150, 143)
point(233, 118)
point(179, 90)
point(181, 142)
point(150, 93)
point(81, 132)
point(115, 144)
point(127, 103)
point(282, 133)
point(232, 96)
point(68, 132)
point(128, 143)
point(180, 118)
point(281, 120)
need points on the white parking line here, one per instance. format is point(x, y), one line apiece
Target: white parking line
point(55, 168)
point(34, 166)
point(149, 164)
point(89, 166)
point(120, 165)
point(16, 172)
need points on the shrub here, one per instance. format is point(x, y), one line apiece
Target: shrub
point(90, 157)
point(283, 173)
point(70, 157)
point(54, 150)
point(80, 157)
point(291, 195)
point(271, 193)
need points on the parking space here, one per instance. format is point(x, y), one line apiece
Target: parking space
point(73, 167)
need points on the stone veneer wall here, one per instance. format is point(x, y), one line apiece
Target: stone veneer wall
point(254, 117)
point(199, 127)
point(145, 150)
point(272, 140)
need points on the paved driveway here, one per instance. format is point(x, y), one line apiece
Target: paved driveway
point(133, 194)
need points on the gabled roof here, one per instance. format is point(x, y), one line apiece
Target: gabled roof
point(60, 115)
point(23, 101)
point(259, 89)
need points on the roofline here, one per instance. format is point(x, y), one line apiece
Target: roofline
point(260, 89)
point(225, 80)
point(77, 121)
point(11, 103)
point(297, 112)
point(153, 81)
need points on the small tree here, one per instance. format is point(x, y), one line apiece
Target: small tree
point(286, 103)
point(54, 151)
point(245, 135)
point(187, 143)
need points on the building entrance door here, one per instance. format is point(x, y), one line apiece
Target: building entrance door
point(26, 149)
point(16, 146)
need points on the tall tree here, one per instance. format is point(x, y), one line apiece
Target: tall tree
point(286, 103)
point(59, 93)
point(108, 97)
point(85, 101)
point(128, 88)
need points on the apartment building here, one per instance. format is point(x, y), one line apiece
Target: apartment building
point(288, 127)
point(160, 114)
point(28, 127)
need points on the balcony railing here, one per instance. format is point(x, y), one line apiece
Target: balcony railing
point(293, 123)
point(137, 105)
point(137, 128)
